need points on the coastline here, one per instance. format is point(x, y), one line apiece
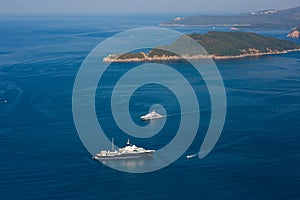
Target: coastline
point(115, 58)
point(204, 25)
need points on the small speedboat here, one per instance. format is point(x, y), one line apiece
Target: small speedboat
point(191, 156)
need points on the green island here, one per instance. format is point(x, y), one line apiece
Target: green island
point(219, 45)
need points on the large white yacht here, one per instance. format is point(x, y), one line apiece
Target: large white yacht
point(129, 151)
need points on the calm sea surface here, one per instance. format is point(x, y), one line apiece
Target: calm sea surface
point(42, 157)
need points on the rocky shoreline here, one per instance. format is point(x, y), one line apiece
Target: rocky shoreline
point(294, 34)
point(115, 58)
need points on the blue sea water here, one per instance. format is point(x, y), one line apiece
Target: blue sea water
point(42, 157)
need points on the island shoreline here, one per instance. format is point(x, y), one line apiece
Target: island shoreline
point(195, 57)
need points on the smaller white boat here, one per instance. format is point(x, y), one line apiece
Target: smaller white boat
point(152, 115)
point(191, 156)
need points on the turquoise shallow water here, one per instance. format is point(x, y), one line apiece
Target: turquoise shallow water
point(257, 156)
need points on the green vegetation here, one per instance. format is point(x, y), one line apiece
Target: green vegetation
point(131, 55)
point(237, 43)
point(160, 53)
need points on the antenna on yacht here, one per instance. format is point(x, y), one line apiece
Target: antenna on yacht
point(128, 143)
point(112, 144)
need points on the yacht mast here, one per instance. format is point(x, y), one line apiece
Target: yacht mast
point(112, 144)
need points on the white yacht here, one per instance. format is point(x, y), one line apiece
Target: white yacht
point(152, 115)
point(129, 151)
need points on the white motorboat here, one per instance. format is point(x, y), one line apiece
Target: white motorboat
point(151, 115)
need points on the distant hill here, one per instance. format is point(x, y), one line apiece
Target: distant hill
point(219, 45)
point(262, 19)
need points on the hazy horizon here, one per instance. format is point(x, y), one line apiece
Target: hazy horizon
point(113, 7)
